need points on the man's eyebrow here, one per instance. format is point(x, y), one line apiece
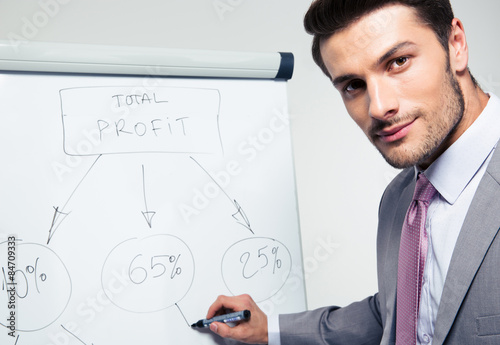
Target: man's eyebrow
point(342, 78)
point(393, 50)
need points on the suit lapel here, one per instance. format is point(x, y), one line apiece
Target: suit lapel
point(476, 235)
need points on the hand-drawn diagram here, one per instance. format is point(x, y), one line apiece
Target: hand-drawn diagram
point(196, 173)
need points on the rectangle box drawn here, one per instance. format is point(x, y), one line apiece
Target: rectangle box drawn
point(120, 120)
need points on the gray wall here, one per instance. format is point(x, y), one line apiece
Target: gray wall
point(340, 177)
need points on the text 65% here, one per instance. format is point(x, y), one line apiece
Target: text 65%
point(155, 267)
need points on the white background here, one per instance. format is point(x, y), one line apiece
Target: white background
point(340, 177)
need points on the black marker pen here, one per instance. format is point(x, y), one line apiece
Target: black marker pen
point(231, 317)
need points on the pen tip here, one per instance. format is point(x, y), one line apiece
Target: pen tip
point(193, 325)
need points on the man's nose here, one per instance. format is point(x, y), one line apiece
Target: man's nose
point(383, 102)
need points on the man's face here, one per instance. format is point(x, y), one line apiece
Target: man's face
point(396, 83)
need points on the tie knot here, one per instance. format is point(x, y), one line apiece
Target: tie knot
point(424, 190)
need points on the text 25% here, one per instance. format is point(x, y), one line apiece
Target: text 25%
point(263, 257)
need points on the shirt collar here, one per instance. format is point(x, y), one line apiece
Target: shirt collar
point(452, 171)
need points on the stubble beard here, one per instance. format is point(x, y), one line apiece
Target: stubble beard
point(440, 126)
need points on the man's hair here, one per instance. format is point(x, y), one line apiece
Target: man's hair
point(326, 17)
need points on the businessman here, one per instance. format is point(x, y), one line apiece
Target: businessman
point(401, 68)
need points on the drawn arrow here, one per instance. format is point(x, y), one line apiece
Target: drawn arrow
point(59, 213)
point(180, 311)
point(80, 340)
point(240, 216)
point(148, 215)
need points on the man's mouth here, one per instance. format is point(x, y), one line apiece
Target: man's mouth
point(395, 132)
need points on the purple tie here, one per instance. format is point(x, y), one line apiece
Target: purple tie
point(412, 253)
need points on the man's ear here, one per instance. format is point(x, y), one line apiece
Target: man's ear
point(459, 51)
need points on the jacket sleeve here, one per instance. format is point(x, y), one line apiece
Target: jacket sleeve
point(357, 324)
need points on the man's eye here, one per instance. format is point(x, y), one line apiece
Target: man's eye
point(354, 85)
point(400, 61)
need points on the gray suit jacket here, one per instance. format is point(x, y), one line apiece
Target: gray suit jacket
point(469, 311)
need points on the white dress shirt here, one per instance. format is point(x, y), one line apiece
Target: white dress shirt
point(455, 175)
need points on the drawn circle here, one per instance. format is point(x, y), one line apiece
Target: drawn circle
point(258, 266)
point(147, 275)
point(42, 287)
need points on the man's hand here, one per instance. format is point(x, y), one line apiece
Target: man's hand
point(253, 331)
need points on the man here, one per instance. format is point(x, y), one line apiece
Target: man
point(401, 69)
